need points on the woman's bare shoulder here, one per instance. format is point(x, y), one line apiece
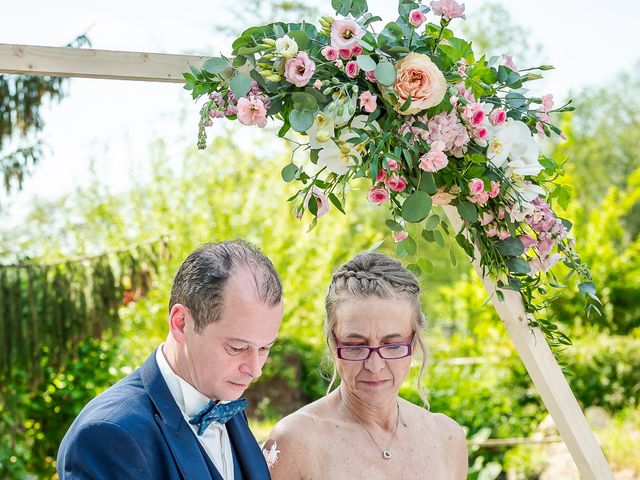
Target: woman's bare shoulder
point(289, 449)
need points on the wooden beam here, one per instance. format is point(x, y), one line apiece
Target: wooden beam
point(88, 63)
point(546, 375)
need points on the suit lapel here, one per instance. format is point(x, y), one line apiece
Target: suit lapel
point(246, 450)
point(180, 438)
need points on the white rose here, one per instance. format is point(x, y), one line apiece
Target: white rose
point(286, 47)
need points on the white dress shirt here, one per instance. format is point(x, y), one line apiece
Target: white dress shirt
point(215, 439)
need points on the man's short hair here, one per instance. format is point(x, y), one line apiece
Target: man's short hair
point(201, 279)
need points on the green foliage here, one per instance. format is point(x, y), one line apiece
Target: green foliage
point(33, 422)
point(604, 371)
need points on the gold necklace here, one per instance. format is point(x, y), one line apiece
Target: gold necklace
point(386, 453)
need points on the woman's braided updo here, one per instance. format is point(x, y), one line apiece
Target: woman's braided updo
point(373, 274)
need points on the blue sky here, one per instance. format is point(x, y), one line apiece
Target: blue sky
point(107, 125)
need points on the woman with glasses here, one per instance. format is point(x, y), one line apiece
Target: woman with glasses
point(362, 428)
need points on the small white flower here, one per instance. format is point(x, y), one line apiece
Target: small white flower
point(321, 131)
point(513, 148)
point(286, 47)
point(271, 454)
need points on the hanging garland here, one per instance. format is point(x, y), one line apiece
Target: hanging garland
point(47, 310)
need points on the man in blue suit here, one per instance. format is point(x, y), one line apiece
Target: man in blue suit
point(180, 415)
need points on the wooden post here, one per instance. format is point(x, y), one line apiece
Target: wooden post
point(546, 375)
point(530, 343)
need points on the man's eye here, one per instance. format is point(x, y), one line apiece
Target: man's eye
point(232, 349)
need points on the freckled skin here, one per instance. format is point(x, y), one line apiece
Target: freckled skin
point(323, 440)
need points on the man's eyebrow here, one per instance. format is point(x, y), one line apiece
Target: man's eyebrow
point(248, 342)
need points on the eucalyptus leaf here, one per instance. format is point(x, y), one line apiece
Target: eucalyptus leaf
point(432, 222)
point(511, 247)
point(366, 62)
point(385, 73)
point(517, 265)
point(300, 121)
point(240, 84)
point(467, 211)
point(215, 65)
point(301, 38)
point(289, 172)
point(416, 207)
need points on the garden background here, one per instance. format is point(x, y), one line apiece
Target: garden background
point(118, 167)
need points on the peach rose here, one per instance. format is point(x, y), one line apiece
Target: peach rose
point(417, 76)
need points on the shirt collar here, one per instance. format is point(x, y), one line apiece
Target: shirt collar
point(189, 399)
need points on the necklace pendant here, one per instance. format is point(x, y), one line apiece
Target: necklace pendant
point(386, 454)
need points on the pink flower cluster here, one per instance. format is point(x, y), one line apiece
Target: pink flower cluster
point(479, 195)
point(379, 193)
point(447, 128)
point(448, 9)
point(488, 221)
point(435, 159)
point(250, 109)
point(332, 54)
point(548, 229)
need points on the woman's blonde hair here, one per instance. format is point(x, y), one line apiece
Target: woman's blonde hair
point(373, 274)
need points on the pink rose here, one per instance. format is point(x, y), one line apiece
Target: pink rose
point(476, 186)
point(345, 53)
point(317, 84)
point(481, 132)
point(492, 230)
point(479, 198)
point(382, 175)
point(498, 116)
point(370, 76)
point(330, 53)
point(419, 78)
point(368, 101)
point(495, 189)
point(339, 63)
point(377, 195)
point(251, 111)
point(416, 18)
point(474, 114)
point(448, 9)
point(345, 33)
point(486, 219)
point(393, 165)
point(298, 70)
point(397, 183)
point(352, 69)
point(399, 236)
point(356, 50)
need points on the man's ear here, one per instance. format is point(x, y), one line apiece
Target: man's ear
point(178, 321)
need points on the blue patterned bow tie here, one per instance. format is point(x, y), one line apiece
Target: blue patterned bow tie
point(217, 412)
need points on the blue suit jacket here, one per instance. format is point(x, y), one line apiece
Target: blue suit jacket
point(135, 429)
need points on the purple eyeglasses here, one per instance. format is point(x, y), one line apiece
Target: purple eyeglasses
point(391, 351)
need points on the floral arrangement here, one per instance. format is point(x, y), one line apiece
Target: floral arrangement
point(414, 111)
